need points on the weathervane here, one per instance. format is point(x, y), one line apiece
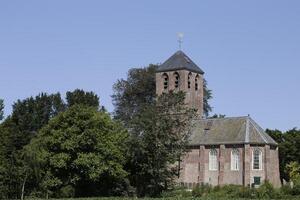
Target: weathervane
point(180, 36)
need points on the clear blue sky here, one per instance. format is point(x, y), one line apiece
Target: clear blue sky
point(250, 50)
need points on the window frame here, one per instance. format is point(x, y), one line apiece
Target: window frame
point(213, 160)
point(165, 81)
point(176, 80)
point(197, 77)
point(235, 160)
point(190, 80)
point(260, 164)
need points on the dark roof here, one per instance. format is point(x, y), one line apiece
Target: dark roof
point(233, 130)
point(179, 61)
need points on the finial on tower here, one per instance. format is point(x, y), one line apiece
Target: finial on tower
point(180, 37)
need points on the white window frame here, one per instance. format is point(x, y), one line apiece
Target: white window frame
point(259, 159)
point(235, 160)
point(213, 160)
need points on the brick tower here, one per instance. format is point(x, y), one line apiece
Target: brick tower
point(180, 73)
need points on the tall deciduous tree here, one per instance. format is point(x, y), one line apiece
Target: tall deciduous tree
point(81, 97)
point(27, 117)
point(138, 90)
point(133, 94)
point(159, 136)
point(82, 151)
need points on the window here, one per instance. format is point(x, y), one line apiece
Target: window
point(256, 180)
point(213, 160)
point(235, 159)
point(257, 159)
point(189, 80)
point(166, 81)
point(196, 82)
point(177, 79)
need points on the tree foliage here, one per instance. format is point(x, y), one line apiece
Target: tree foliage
point(81, 97)
point(27, 118)
point(293, 170)
point(159, 136)
point(82, 150)
point(133, 94)
point(1, 109)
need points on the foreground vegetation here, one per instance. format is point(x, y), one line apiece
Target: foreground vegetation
point(206, 192)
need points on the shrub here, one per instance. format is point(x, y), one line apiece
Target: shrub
point(177, 192)
point(66, 191)
point(202, 190)
point(286, 190)
point(247, 192)
point(267, 191)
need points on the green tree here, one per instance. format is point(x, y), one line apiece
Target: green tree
point(159, 136)
point(81, 97)
point(3, 165)
point(133, 94)
point(1, 109)
point(138, 90)
point(27, 117)
point(293, 170)
point(82, 151)
point(206, 97)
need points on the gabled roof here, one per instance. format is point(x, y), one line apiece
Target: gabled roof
point(179, 61)
point(233, 130)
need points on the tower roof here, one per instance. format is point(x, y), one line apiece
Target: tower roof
point(179, 61)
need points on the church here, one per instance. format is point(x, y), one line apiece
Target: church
point(232, 150)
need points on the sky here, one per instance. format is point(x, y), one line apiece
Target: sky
point(249, 50)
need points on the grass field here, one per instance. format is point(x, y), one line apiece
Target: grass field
point(169, 198)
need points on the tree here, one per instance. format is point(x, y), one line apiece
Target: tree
point(4, 189)
point(82, 151)
point(132, 95)
point(206, 97)
point(159, 136)
point(139, 90)
point(1, 109)
point(81, 97)
point(27, 117)
point(293, 170)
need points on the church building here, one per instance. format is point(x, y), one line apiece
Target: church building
point(232, 150)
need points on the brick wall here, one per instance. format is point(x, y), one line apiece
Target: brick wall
point(194, 98)
point(195, 166)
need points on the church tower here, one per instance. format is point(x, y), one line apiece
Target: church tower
point(180, 73)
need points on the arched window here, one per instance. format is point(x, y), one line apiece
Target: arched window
point(213, 160)
point(189, 80)
point(177, 79)
point(257, 159)
point(166, 81)
point(196, 82)
point(235, 159)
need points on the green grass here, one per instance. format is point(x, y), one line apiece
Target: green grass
point(167, 198)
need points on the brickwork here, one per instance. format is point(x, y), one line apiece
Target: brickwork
point(194, 98)
point(195, 169)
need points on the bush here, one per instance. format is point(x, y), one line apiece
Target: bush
point(177, 192)
point(202, 190)
point(267, 191)
point(66, 192)
point(247, 192)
